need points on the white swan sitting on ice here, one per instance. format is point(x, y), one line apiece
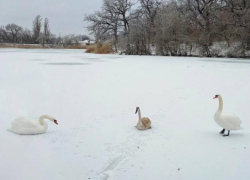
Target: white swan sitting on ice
point(143, 123)
point(27, 126)
point(226, 121)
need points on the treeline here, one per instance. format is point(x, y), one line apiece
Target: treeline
point(174, 27)
point(40, 34)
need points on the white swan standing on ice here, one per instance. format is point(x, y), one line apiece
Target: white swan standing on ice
point(226, 121)
point(27, 126)
point(143, 123)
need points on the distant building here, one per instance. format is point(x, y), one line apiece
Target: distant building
point(87, 42)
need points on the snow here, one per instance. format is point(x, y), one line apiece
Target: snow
point(94, 97)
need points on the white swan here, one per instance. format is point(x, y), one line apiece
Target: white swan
point(26, 125)
point(226, 121)
point(143, 123)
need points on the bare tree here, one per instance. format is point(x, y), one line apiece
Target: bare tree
point(82, 37)
point(123, 8)
point(172, 35)
point(203, 14)
point(46, 32)
point(238, 11)
point(13, 31)
point(139, 36)
point(37, 26)
point(105, 23)
point(70, 40)
point(114, 17)
point(150, 8)
point(4, 35)
point(26, 36)
point(99, 26)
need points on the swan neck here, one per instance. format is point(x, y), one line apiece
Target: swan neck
point(220, 104)
point(42, 122)
point(139, 114)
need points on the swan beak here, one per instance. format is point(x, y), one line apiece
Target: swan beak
point(215, 97)
point(55, 121)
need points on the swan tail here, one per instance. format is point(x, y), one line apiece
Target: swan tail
point(11, 130)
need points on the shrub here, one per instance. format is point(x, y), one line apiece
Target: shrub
point(91, 48)
point(99, 48)
point(79, 46)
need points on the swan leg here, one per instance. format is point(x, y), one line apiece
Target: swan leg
point(222, 132)
point(227, 134)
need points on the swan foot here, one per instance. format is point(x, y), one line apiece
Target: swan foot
point(222, 132)
point(227, 134)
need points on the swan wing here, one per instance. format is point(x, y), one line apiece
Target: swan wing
point(146, 122)
point(24, 122)
point(231, 119)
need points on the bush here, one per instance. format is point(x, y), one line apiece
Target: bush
point(99, 48)
point(39, 46)
point(91, 48)
point(79, 46)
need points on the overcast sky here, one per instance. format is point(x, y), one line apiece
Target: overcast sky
point(65, 16)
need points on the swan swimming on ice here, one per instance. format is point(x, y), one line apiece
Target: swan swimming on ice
point(143, 123)
point(27, 126)
point(226, 121)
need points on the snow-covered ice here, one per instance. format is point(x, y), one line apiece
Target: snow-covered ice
point(94, 97)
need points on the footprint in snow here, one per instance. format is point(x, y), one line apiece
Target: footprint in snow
point(108, 170)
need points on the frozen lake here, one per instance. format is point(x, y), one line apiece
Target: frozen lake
point(94, 97)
